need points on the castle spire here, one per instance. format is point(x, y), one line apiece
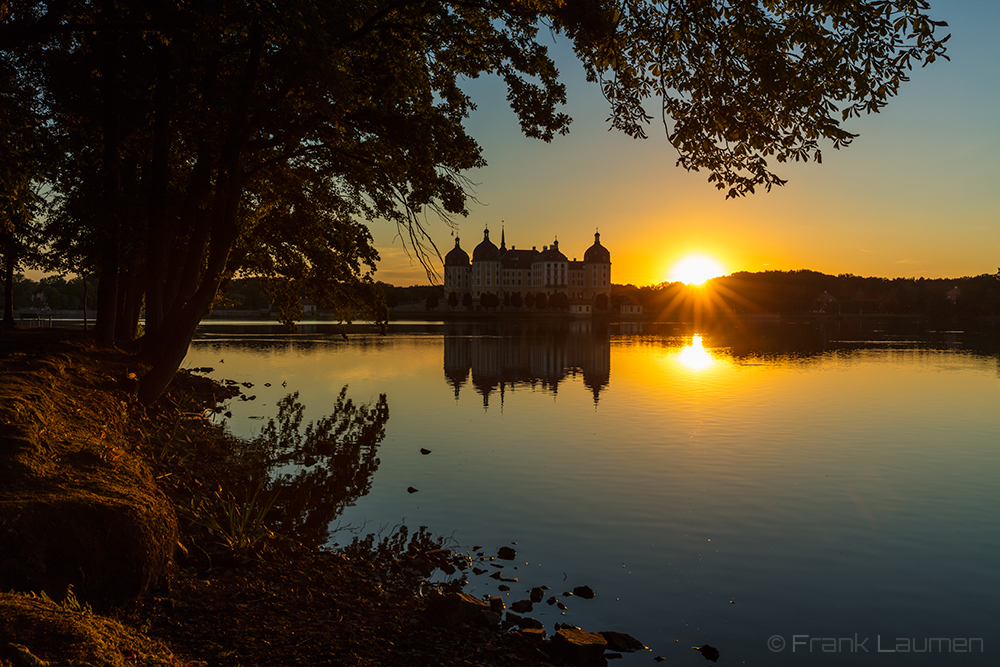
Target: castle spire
point(503, 242)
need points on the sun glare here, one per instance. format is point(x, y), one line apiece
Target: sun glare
point(696, 269)
point(695, 357)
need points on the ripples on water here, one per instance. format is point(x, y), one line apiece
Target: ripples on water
point(718, 489)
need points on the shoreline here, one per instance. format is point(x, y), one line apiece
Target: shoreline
point(266, 599)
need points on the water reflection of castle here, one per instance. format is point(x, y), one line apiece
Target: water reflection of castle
point(499, 358)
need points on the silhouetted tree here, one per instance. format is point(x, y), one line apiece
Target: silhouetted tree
point(452, 300)
point(206, 141)
point(601, 302)
point(467, 301)
point(515, 300)
point(24, 156)
point(529, 300)
point(541, 301)
point(489, 301)
point(432, 301)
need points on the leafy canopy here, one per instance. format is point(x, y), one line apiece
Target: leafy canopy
point(190, 141)
point(741, 81)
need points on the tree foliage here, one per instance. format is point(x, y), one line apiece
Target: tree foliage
point(742, 81)
point(202, 141)
point(23, 163)
point(559, 301)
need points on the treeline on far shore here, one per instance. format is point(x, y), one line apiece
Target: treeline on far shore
point(785, 293)
point(57, 292)
point(763, 293)
point(789, 293)
point(53, 293)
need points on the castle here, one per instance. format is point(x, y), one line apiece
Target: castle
point(506, 273)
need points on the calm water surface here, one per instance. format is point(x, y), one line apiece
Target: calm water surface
point(730, 490)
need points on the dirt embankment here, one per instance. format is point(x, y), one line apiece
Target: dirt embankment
point(78, 504)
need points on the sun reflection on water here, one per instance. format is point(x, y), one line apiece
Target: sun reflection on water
point(695, 357)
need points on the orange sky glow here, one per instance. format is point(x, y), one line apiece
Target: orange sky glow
point(913, 197)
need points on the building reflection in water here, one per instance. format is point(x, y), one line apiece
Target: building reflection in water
point(497, 357)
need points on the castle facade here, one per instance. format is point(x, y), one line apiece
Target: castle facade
point(506, 272)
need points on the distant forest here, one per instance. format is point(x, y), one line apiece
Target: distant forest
point(786, 293)
point(810, 292)
point(59, 293)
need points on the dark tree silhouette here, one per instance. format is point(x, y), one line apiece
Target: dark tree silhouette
point(199, 142)
point(24, 159)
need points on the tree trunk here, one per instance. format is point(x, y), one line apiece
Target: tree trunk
point(107, 295)
point(8, 287)
point(171, 345)
point(157, 215)
point(84, 276)
point(198, 287)
point(175, 335)
point(110, 87)
point(129, 304)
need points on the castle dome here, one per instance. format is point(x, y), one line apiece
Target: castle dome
point(597, 254)
point(486, 251)
point(456, 256)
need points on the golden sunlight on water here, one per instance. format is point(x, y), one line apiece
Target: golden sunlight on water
point(695, 357)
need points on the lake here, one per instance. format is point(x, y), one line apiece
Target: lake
point(800, 494)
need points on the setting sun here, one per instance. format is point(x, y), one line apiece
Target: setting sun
point(696, 269)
